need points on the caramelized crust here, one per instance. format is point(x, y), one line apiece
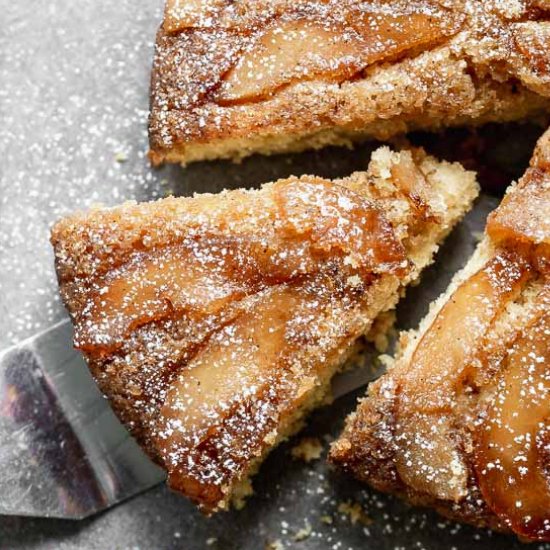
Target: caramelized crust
point(524, 215)
point(461, 420)
point(214, 323)
point(235, 77)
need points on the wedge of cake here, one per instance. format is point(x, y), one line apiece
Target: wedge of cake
point(234, 77)
point(214, 323)
point(461, 421)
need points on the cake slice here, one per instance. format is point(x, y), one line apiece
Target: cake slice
point(235, 77)
point(215, 323)
point(461, 420)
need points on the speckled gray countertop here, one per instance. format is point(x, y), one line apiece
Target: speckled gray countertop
point(73, 106)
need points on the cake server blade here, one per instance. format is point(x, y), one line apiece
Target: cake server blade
point(362, 369)
point(63, 453)
point(355, 378)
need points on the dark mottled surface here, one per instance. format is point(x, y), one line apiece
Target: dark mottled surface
point(73, 108)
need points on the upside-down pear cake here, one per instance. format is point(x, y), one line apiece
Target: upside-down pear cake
point(461, 421)
point(215, 322)
point(234, 77)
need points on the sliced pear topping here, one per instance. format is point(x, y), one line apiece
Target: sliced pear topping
point(512, 445)
point(523, 217)
point(303, 227)
point(413, 184)
point(454, 337)
point(428, 459)
point(231, 401)
point(293, 50)
point(522, 221)
point(296, 48)
point(339, 221)
point(155, 286)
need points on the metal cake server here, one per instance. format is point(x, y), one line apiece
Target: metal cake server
point(63, 452)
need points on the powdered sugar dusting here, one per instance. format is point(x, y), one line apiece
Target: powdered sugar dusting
point(67, 140)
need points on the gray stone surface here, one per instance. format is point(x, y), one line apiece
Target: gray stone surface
point(73, 107)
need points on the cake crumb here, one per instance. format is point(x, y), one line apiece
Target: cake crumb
point(275, 545)
point(354, 512)
point(304, 532)
point(308, 449)
point(382, 331)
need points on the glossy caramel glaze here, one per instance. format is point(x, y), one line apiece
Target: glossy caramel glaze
point(461, 420)
point(214, 323)
point(233, 77)
point(511, 443)
point(307, 226)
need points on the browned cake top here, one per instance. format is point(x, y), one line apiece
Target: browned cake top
point(467, 404)
point(228, 69)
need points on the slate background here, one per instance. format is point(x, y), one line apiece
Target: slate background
point(73, 106)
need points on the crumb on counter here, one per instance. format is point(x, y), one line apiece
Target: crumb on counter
point(354, 511)
point(304, 532)
point(307, 449)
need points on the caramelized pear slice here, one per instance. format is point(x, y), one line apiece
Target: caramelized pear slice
point(523, 217)
point(302, 226)
point(414, 186)
point(522, 221)
point(512, 461)
point(427, 459)
point(454, 337)
point(292, 50)
point(241, 392)
point(155, 286)
point(334, 49)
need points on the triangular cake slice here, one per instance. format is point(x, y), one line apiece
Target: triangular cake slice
point(215, 323)
point(235, 77)
point(461, 421)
